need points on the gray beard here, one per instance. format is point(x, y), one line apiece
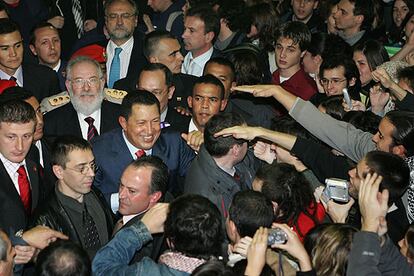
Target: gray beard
point(86, 108)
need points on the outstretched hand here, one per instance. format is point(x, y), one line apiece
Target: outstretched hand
point(259, 90)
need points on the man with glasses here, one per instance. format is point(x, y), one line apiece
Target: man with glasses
point(87, 115)
point(337, 73)
point(75, 207)
point(124, 50)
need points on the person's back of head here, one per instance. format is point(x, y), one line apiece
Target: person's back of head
point(7, 254)
point(289, 125)
point(194, 227)
point(249, 67)
point(234, 14)
point(406, 74)
point(335, 241)
point(213, 267)
point(15, 93)
point(394, 171)
point(403, 134)
point(333, 107)
point(152, 40)
point(220, 146)
point(250, 210)
point(364, 120)
point(63, 258)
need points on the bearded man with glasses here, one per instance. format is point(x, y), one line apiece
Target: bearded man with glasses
point(75, 207)
point(87, 115)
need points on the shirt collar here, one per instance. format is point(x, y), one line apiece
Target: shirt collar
point(126, 47)
point(132, 149)
point(56, 68)
point(18, 74)
point(202, 59)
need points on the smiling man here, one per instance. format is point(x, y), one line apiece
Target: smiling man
point(74, 207)
point(140, 135)
point(87, 115)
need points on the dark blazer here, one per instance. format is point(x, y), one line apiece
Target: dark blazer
point(64, 120)
point(46, 173)
point(62, 75)
point(12, 215)
point(178, 122)
point(40, 80)
point(112, 156)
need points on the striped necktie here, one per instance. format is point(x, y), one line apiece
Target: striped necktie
point(77, 16)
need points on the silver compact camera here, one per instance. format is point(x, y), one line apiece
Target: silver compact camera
point(276, 236)
point(336, 189)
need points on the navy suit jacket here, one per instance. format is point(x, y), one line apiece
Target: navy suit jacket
point(113, 156)
point(12, 215)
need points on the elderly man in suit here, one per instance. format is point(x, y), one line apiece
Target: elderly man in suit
point(87, 115)
point(140, 135)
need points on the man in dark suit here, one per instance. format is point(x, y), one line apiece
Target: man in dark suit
point(157, 79)
point(87, 115)
point(140, 135)
point(124, 50)
point(45, 44)
point(161, 47)
point(40, 80)
point(20, 189)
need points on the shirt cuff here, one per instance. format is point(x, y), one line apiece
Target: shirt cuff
point(115, 202)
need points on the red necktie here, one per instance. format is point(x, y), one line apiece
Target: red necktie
point(92, 132)
point(24, 187)
point(140, 153)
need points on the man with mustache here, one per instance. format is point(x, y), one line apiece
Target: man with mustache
point(124, 50)
point(87, 115)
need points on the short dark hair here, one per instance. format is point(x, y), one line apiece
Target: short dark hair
point(297, 31)
point(223, 62)
point(210, 79)
point(213, 267)
point(220, 146)
point(64, 145)
point(152, 67)
point(63, 257)
point(407, 74)
point(40, 25)
point(15, 93)
point(208, 16)
point(409, 236)
point(250, 210)
point(16, 111)
point(290, 126)
point(367, 121)
point(283, 184)
point(333, 106)
point(141, 97)
point(131, 2)
point(152, 40)
point(403, 134)
point(235, 13)
point(374, 51)
point(8, 26)
point(194, 226)
point(394, 171)
point(364, 8)
point(159, 172)
point(327, 45)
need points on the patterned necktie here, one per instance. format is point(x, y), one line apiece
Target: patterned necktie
point(90, 235)
point(92, 132)
point(115, 72)
point(77, 16)
point(24, 187)
point(140, 153)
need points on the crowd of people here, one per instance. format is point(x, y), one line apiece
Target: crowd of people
point(207, 137)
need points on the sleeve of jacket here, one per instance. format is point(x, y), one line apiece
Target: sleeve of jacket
point(407, 103)
point(320, 159)
point(342, 136)
point(186, 157)
point(114, 257)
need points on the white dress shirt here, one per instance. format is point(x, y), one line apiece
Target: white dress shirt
point(195, 66)
point(124, 56)
point(18, 75)
point(11, 169)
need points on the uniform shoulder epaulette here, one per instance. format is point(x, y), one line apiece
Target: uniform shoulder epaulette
point(114, 95)
point(55, 101)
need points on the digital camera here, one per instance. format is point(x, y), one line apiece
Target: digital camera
point(276, 236)
point(336, 189)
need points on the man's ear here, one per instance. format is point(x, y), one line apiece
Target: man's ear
point(302, 54)
point(171, 90)
point(275, 206)
point(209, 37)
point(359, 19)
point(399, 150)
point(153, 59)
point(58, 171)
point(190, 101)
point(155, 197)
point(122, 121)
point(33, 49)
point(223, 104)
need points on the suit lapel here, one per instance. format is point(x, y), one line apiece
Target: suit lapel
point(120, 148)
point(7, 186)
point(32, 170)
point(73, 117)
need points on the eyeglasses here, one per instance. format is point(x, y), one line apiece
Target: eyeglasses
point(92, 82)
point(326, 82)
point(124, 16)
point(84, 169)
